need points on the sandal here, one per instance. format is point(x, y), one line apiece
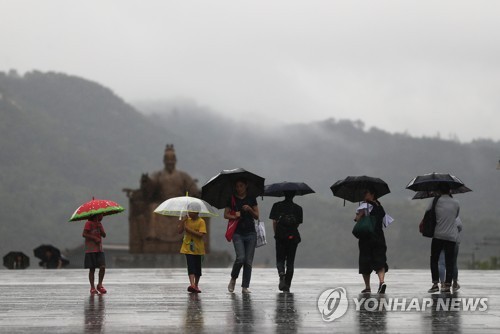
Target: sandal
point(101, 289)
point(93, 291)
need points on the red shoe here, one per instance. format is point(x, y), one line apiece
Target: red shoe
point(93, 291)
point(101, 289)
point(198, 290)
point(192, 289)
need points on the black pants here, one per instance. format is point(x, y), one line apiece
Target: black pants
point(285, 256)
point(437, 246)
point(194, 264)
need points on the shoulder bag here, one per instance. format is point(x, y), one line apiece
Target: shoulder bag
point(365, 227)
point(232, 224)
point(428, 223)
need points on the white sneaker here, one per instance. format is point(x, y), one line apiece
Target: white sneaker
point(231, 285)
point(245, 290)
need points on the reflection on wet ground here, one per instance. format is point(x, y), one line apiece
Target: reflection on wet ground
point(193, 320)
point(286, 316)
point(440, 318)
point(94, 312)
point(372, 320)
point(156, 300)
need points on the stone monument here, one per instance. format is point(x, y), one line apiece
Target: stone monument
point(150, 232)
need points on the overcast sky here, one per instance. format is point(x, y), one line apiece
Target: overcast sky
point(424, 67)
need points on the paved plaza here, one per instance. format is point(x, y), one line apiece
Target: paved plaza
point(156, 301)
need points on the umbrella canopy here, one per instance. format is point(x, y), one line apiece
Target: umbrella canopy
point(432, 181)
point(428, 194)
point(219, 188)
point(178, 206)
point(96, 207)
point(41, 252)
point(16, 260)
point(279, 189)
point(352, 187)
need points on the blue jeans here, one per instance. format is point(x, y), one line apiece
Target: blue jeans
point(244, 247)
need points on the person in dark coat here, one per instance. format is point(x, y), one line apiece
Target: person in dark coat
point(286, 216)
point(372, 249)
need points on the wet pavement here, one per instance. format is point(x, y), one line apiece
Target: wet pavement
point(156, 301)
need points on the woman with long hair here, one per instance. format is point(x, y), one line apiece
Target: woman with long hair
point(243, 207)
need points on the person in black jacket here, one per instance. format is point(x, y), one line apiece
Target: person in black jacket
point(372, 249)
point(286, 217)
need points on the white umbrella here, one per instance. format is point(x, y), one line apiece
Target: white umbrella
point(179, 206)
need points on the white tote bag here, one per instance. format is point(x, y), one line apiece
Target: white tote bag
point(260, 228)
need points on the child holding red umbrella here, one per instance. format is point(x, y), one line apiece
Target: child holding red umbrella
point(93, 232)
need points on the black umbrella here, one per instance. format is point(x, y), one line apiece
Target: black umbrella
point(279, 189)
point(219, 188)
point(41, 252)
point(16, 260)
point(432, 181)
point(428, 194)
point(352, 187)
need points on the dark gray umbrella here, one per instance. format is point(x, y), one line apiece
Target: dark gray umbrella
point(279, 189)
point(218, 190)
point(432, 181)
point(16, 260)
point(428, 194)
point(352, 187)
point(42, 250)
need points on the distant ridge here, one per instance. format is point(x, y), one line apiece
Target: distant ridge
point(64, 139)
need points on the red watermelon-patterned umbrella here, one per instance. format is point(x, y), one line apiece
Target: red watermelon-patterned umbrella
point(96, 207)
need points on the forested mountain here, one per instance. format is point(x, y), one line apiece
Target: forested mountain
point(65, 139)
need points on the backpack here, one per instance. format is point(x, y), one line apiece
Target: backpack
point(428, 224)
point(286, 228)
point(287, 220)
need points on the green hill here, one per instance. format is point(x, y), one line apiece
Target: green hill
point(65, 139)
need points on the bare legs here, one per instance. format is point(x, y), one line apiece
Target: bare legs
point(194, 280)
point(381, 277)
point(102, 271)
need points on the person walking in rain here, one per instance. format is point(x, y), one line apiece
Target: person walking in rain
point(193, 245)
point(93, 232)
point(286, 217)
point(245, 208)
point(445, 237)
point(372, 249)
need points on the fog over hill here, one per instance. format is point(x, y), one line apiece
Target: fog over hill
point(65, 139)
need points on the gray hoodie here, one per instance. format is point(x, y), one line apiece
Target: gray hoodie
point(447, 210)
